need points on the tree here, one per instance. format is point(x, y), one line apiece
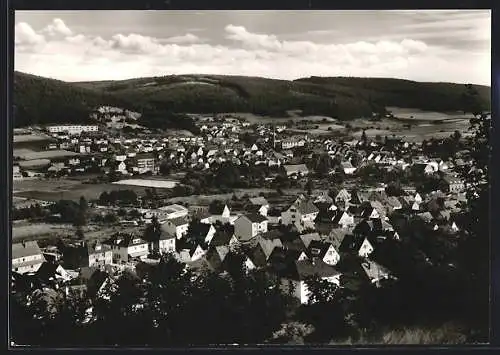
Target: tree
point(215, 206)
point(309, 187)
point(152, 233)
point(364, 139)
point(81, 217)
point(292, 333)
point(475, 240)
point(79, 233)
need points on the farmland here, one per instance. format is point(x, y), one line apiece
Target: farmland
point(47, 231)
point(155, 183)
point(65, 189)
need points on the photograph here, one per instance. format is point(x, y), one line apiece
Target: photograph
point(230, 178)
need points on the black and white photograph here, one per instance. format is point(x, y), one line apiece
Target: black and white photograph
point(241, 178)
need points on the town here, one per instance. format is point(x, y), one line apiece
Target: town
point(296, 205)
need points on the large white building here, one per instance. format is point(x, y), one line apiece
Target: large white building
point(173, 211)
point(73, 129)
point(26, 257)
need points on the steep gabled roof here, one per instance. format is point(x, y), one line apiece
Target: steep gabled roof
point(336, 237)
point(29, 248)
point(306, 206)
point(258, 201)
point(306, 268)
point(318, 249)
point(308, 238)
point(256, 218)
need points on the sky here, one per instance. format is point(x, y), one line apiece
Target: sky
point(420, 45)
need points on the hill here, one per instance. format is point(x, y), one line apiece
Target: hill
point(41, 100)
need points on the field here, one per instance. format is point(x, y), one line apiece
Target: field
point(21, 138)
point(414, 124)
point(416, 114)
point(65, 189)
point(26, 154)
point(160, 184)
point(46, 231)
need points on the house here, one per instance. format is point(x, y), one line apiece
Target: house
point(197, 253)
point(343, 196)
point(375, 272)
point(454, 184)
point(336, 237)
point(177, 227)
point(84, 254)
point(308, 238)
point(216, 255)
point(222, 211)
point(261, 252)
point(359, 245)
point(16, 173)
point(49, 273)
point(72, 129)
point(297, 170)
point(274, 216)
point(344, 220)
point(26, 257)
point(323, 251)
point(126, 247)
point(248, 226)
point(374, 209)
point(224, 238)
point(145, 162)
point(174, 211)
point(347, 168)
point(301, 211)
point(167, 243)
point(294, 282)
point(260, 203)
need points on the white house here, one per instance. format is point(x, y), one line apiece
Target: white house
point(260, 203)
point(346, 220)
point(301, 211)
point(365, 249)
point(177, 227)
point(128, 247)
point(323, 251)
point(248, 226)
point(167, 243)
point(26, 257)
point(296, 285)
point(348, 168)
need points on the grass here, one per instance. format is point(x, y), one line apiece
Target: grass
point(66, 189)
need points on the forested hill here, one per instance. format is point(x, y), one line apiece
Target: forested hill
point(41, 100)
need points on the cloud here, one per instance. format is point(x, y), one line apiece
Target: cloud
point(80, 56)
point(26, 35)
point(57, 28)
point(187, 38)
point(135, 44)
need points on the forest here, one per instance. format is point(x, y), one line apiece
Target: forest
point(38, 100)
